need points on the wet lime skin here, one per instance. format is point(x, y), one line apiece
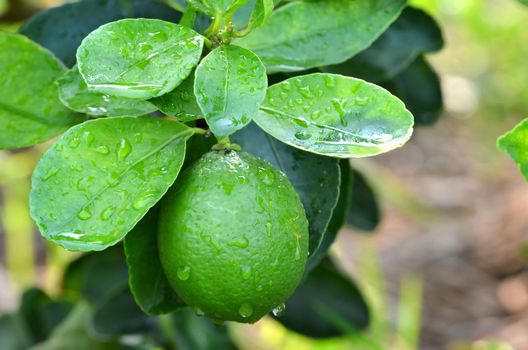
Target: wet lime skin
point(233, 237)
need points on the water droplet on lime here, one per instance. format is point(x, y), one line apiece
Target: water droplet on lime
point(245, 310)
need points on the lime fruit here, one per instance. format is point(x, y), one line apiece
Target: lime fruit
point(233, 237)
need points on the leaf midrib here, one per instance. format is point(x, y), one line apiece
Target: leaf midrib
point(126, 170)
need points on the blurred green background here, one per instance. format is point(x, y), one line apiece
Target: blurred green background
point(447, 262)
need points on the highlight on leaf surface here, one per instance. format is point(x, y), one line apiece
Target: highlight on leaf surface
point(335, 116)
point(101, 177)
point(138, 58)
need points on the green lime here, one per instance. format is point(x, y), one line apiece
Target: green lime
point(233, 237)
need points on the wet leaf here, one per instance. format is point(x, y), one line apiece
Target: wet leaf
point(418, 86)
point(303, 35)
point(364, 212)
point(335, 116)
point(315, 178)
point(514, 143)
point(230, 85)
point(75, 95)
point(412, 34)
point(138, 58)
point(148, 283)
point(215, 7)
point(61, 28)
point(327, 304)
point(180, 103)
point(338, 216)
point(30, 109)
point(94, 184)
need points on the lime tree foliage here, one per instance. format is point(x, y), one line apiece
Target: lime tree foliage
point(202, 159)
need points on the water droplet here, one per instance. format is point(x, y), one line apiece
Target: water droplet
point(102, 150)
point(183, 273)
point(245, 310)
point(144, 200)
point(306, 92)
point(242, 243)
point(268, 228)
point(315, 115)
point(329, 81)
point(75, 142)
point(84, 214)
point(301, 122)
point(107, 213)
point(279, 310)
point(123, 149)
point(260, 288)
point(339, 106)
point(361, 101)
point(198, 311)
point(301, 135)
point(84, 183)
point(267, 176)
point(89, 137)
point(50, 173)
point(245, 271)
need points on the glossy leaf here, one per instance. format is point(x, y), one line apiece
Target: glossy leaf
point(75, 95)
point(118, 315)
point(314, 177)
point(30, 109)
point(364, 212)
point(303, 35)
point(412, 34)
point(230, 85)
point(94, 276)
point(335, 116)
point(418, 86)
point(92, 186)
point(61, 28)
point(216, 7)
point(181, 102)
point(515, 144)
point(260, 14)
point(138, 58)
point(338, 216)
point(327, 304)
point(148, 283)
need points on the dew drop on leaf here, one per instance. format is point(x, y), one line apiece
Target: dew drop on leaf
point(102, 150)
point(84, 214)
point(123, 149)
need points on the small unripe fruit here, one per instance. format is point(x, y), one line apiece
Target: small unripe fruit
point(233, 237)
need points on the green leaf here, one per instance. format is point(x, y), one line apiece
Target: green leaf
point(303, 35)
point(181, 102)
point(75, 95)
point(30, 109)
point(515, 143)
point(73, 333)
point(260, 14)
point(148, 283)
point(364, 212)
point(216, 7)
point(327, 304)
point(315, 178)
point(230, 84)
point(41, 314)
point(61, 28)
point(138, 58)
point(200, 333)
point(14, 334)
point(94, 276)
point(94, 184)
point(412, 34)
point(418, 86)
point(118, 315)
point(335, 116)
point(338, 216)
point(524, 2)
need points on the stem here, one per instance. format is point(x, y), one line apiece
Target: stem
point(215, 26)
point(188, 18)
point(174, 6)
point(200, 131)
